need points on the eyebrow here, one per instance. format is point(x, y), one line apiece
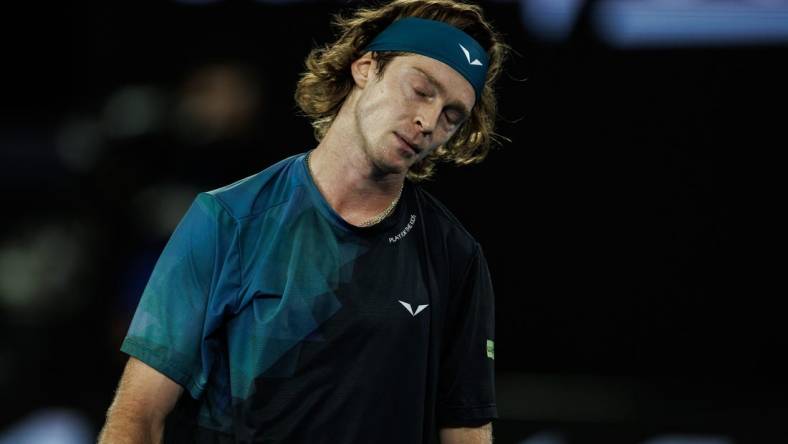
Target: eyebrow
point(456, 105)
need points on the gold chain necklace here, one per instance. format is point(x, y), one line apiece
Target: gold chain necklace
point(374, 220)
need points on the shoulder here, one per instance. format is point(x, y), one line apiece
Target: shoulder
point(255, 194)
point(441, 222)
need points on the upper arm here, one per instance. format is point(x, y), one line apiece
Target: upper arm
point(466, 388)
point(145, 393)
point(467, 435)
point(193, 284)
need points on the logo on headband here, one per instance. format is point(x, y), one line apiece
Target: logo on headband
point(468, 56)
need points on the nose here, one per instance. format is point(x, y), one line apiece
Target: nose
point(427, 118)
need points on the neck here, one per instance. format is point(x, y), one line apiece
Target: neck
point(348, 179)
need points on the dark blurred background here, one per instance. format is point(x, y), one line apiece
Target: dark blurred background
point(632, 224)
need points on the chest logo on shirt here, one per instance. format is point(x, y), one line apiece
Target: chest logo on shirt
point(405, 230)
point(410, 309)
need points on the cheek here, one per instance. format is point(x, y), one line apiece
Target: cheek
point(382, 106)
point(371, 117)
point(442, 134)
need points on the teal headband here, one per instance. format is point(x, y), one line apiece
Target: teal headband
point(439, 41)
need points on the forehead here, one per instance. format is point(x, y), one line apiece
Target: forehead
point(450, 83)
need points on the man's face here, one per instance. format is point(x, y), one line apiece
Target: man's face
point(415, 107)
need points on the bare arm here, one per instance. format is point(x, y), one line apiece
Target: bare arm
point(143, 400)
point(467, 435)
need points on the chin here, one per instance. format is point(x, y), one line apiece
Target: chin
point(387, 165)
point(391, 159)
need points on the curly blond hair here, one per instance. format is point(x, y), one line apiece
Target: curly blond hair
point(327, 81)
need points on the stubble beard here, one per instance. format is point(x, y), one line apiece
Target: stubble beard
point(377, 152)
point(380, 164)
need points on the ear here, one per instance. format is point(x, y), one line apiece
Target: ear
point(363, 69)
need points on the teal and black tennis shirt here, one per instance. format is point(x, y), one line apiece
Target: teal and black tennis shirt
point(286, 324)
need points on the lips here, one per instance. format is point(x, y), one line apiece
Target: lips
point(412, 146)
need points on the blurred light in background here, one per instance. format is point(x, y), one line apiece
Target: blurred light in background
point(51, 426)
point(551, 20)
point(626, 23)
point(133, 111)
point(161, 207)
point(40, 271)
point(217, 101)
point(79, 143)
point(662, 23)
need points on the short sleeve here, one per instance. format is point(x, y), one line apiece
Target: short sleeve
point(466, 391)
point(183, 300)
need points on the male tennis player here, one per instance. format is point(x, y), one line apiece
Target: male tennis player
point(328, 298)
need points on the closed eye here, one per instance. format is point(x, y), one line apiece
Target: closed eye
point(453, 117)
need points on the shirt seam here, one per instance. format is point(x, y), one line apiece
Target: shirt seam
point(183, 377)
point(236, 220)
point(469, 265)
